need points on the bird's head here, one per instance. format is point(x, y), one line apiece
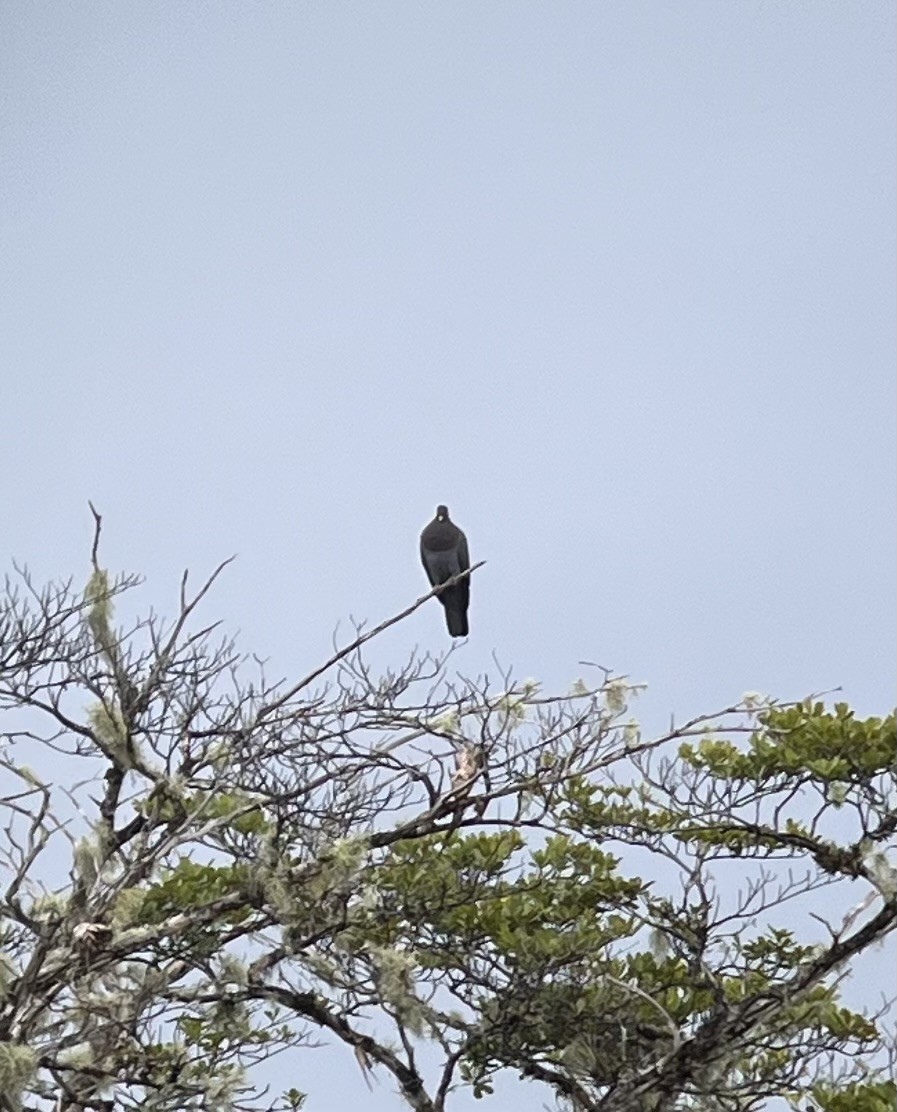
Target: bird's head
point(442, 513)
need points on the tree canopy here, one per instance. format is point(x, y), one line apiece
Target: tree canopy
point(452, 877)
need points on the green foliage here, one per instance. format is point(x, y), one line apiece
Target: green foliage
point(804, 739)
point(551, 922)
point(190, 885)
point(450, 894)
point(774, 952)
point(245, 815)
point(435, 881)
point(169, 802)
point(587, 804)
point(817, 1011)
point(225, 1024)
point(880, 1096)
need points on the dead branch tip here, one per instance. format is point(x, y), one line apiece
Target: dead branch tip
point(97, 527)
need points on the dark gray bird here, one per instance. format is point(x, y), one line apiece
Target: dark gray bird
point(443, 552)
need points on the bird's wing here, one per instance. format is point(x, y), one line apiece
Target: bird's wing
point(463, 555)
point(424, 559)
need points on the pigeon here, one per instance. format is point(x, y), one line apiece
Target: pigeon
point(443, 552)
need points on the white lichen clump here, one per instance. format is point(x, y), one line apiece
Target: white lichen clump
point(881, 872)
point(616, 692)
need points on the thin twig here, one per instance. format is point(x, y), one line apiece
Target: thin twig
point(359, 641)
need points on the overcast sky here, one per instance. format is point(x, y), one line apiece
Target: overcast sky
point(615, 280)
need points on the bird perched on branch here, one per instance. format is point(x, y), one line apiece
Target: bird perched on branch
point(443, 552)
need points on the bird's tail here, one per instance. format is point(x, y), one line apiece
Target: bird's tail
point(456, 620)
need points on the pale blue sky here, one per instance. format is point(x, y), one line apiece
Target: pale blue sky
point(613, 279)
